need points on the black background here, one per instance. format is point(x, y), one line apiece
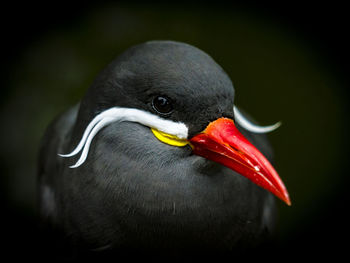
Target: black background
point(323, 25)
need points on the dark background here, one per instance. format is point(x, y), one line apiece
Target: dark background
point(288, 61)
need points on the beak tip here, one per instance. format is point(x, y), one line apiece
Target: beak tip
point(285, 198)
point(288, 202)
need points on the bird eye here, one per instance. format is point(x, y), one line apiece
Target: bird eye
point(162, 105)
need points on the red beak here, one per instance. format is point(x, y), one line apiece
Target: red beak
point(223, 143)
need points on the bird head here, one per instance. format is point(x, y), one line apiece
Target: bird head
point(160, 108)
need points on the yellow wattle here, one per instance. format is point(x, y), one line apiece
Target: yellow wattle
point(169, 139)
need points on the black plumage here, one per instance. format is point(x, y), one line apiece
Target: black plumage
point(134, 191)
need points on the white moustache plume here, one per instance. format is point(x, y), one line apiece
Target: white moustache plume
point(117, 114)
point(242, 121)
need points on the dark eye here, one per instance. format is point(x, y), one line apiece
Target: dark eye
point(162, 104)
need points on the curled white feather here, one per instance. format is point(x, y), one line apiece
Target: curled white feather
point(94, 131)
point(118, 114)
point(251, 126)
point(87, 131)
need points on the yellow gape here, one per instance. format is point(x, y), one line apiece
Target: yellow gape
point(169, 139)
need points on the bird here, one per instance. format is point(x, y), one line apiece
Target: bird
point(157, 156)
